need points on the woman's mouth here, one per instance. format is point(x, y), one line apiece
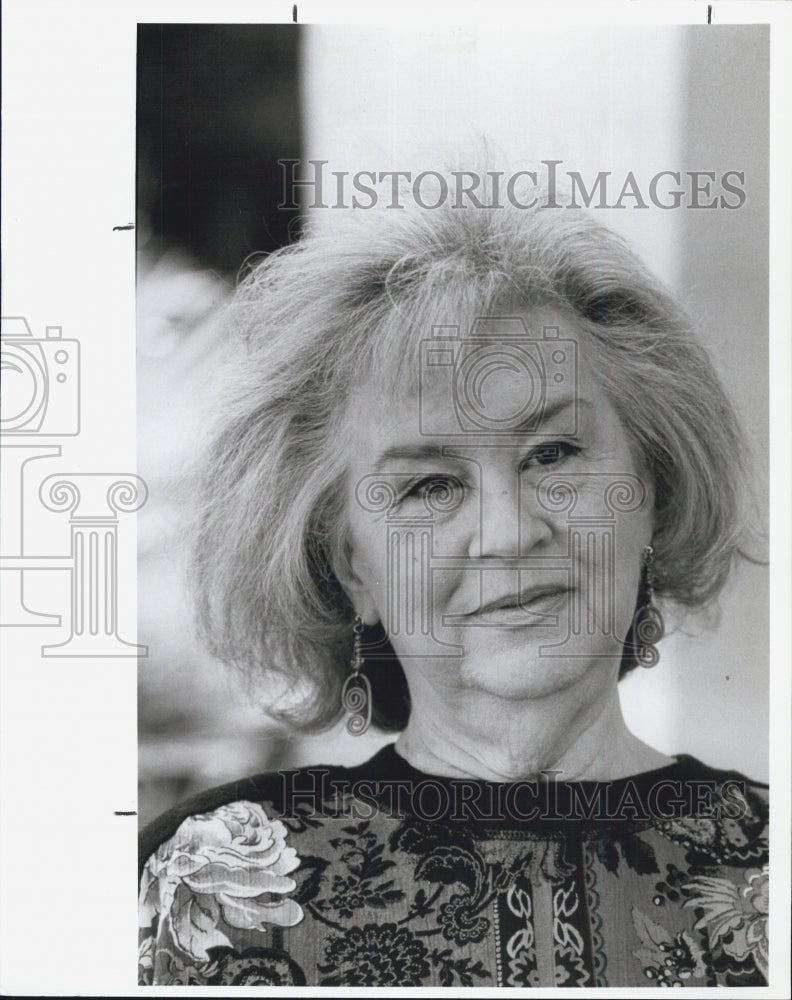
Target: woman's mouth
point(539, 605)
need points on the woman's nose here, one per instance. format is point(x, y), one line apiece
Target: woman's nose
point(512, 523)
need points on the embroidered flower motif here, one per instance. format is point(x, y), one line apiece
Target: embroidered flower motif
point(460, 922)
point(348, 896)
point(352, 893)
point(375, 955)
point(522, 969)
point(253, 967)
point(666, 960)
point(735, 916)
point(231, 864)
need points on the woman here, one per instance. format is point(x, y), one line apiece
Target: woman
point(466, 454)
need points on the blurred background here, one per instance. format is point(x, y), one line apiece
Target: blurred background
point(219, 105)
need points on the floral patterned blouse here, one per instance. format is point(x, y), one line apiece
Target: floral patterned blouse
point(380, 875)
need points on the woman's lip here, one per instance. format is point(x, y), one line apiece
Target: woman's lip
point(527, 601)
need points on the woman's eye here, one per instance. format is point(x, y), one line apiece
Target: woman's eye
point(438, 491)
point(549, 454)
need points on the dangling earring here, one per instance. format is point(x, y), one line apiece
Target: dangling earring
point(356, 692)
point(648, 627)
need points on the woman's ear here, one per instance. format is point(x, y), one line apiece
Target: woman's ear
point(353, 578)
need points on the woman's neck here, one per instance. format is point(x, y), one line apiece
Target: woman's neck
point(487, 738)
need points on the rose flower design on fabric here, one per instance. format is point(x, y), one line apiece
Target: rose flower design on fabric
point(221, 871)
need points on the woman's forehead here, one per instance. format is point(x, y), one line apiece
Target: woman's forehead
point(530, 371)
point(544, 346)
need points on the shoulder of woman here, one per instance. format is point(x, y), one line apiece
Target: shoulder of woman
point(219, 865)
point(691, 769)
point(730, 790)
point(250, 801)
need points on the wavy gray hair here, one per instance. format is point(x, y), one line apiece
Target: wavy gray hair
point(314, 320)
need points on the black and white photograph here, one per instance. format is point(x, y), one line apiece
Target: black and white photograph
point(396, 498)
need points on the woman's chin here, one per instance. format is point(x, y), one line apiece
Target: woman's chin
point(518, 676)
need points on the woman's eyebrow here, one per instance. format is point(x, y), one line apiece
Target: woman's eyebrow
point(434, 450)
point(411, 452)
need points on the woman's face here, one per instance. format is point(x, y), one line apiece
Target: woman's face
point(497, 514)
